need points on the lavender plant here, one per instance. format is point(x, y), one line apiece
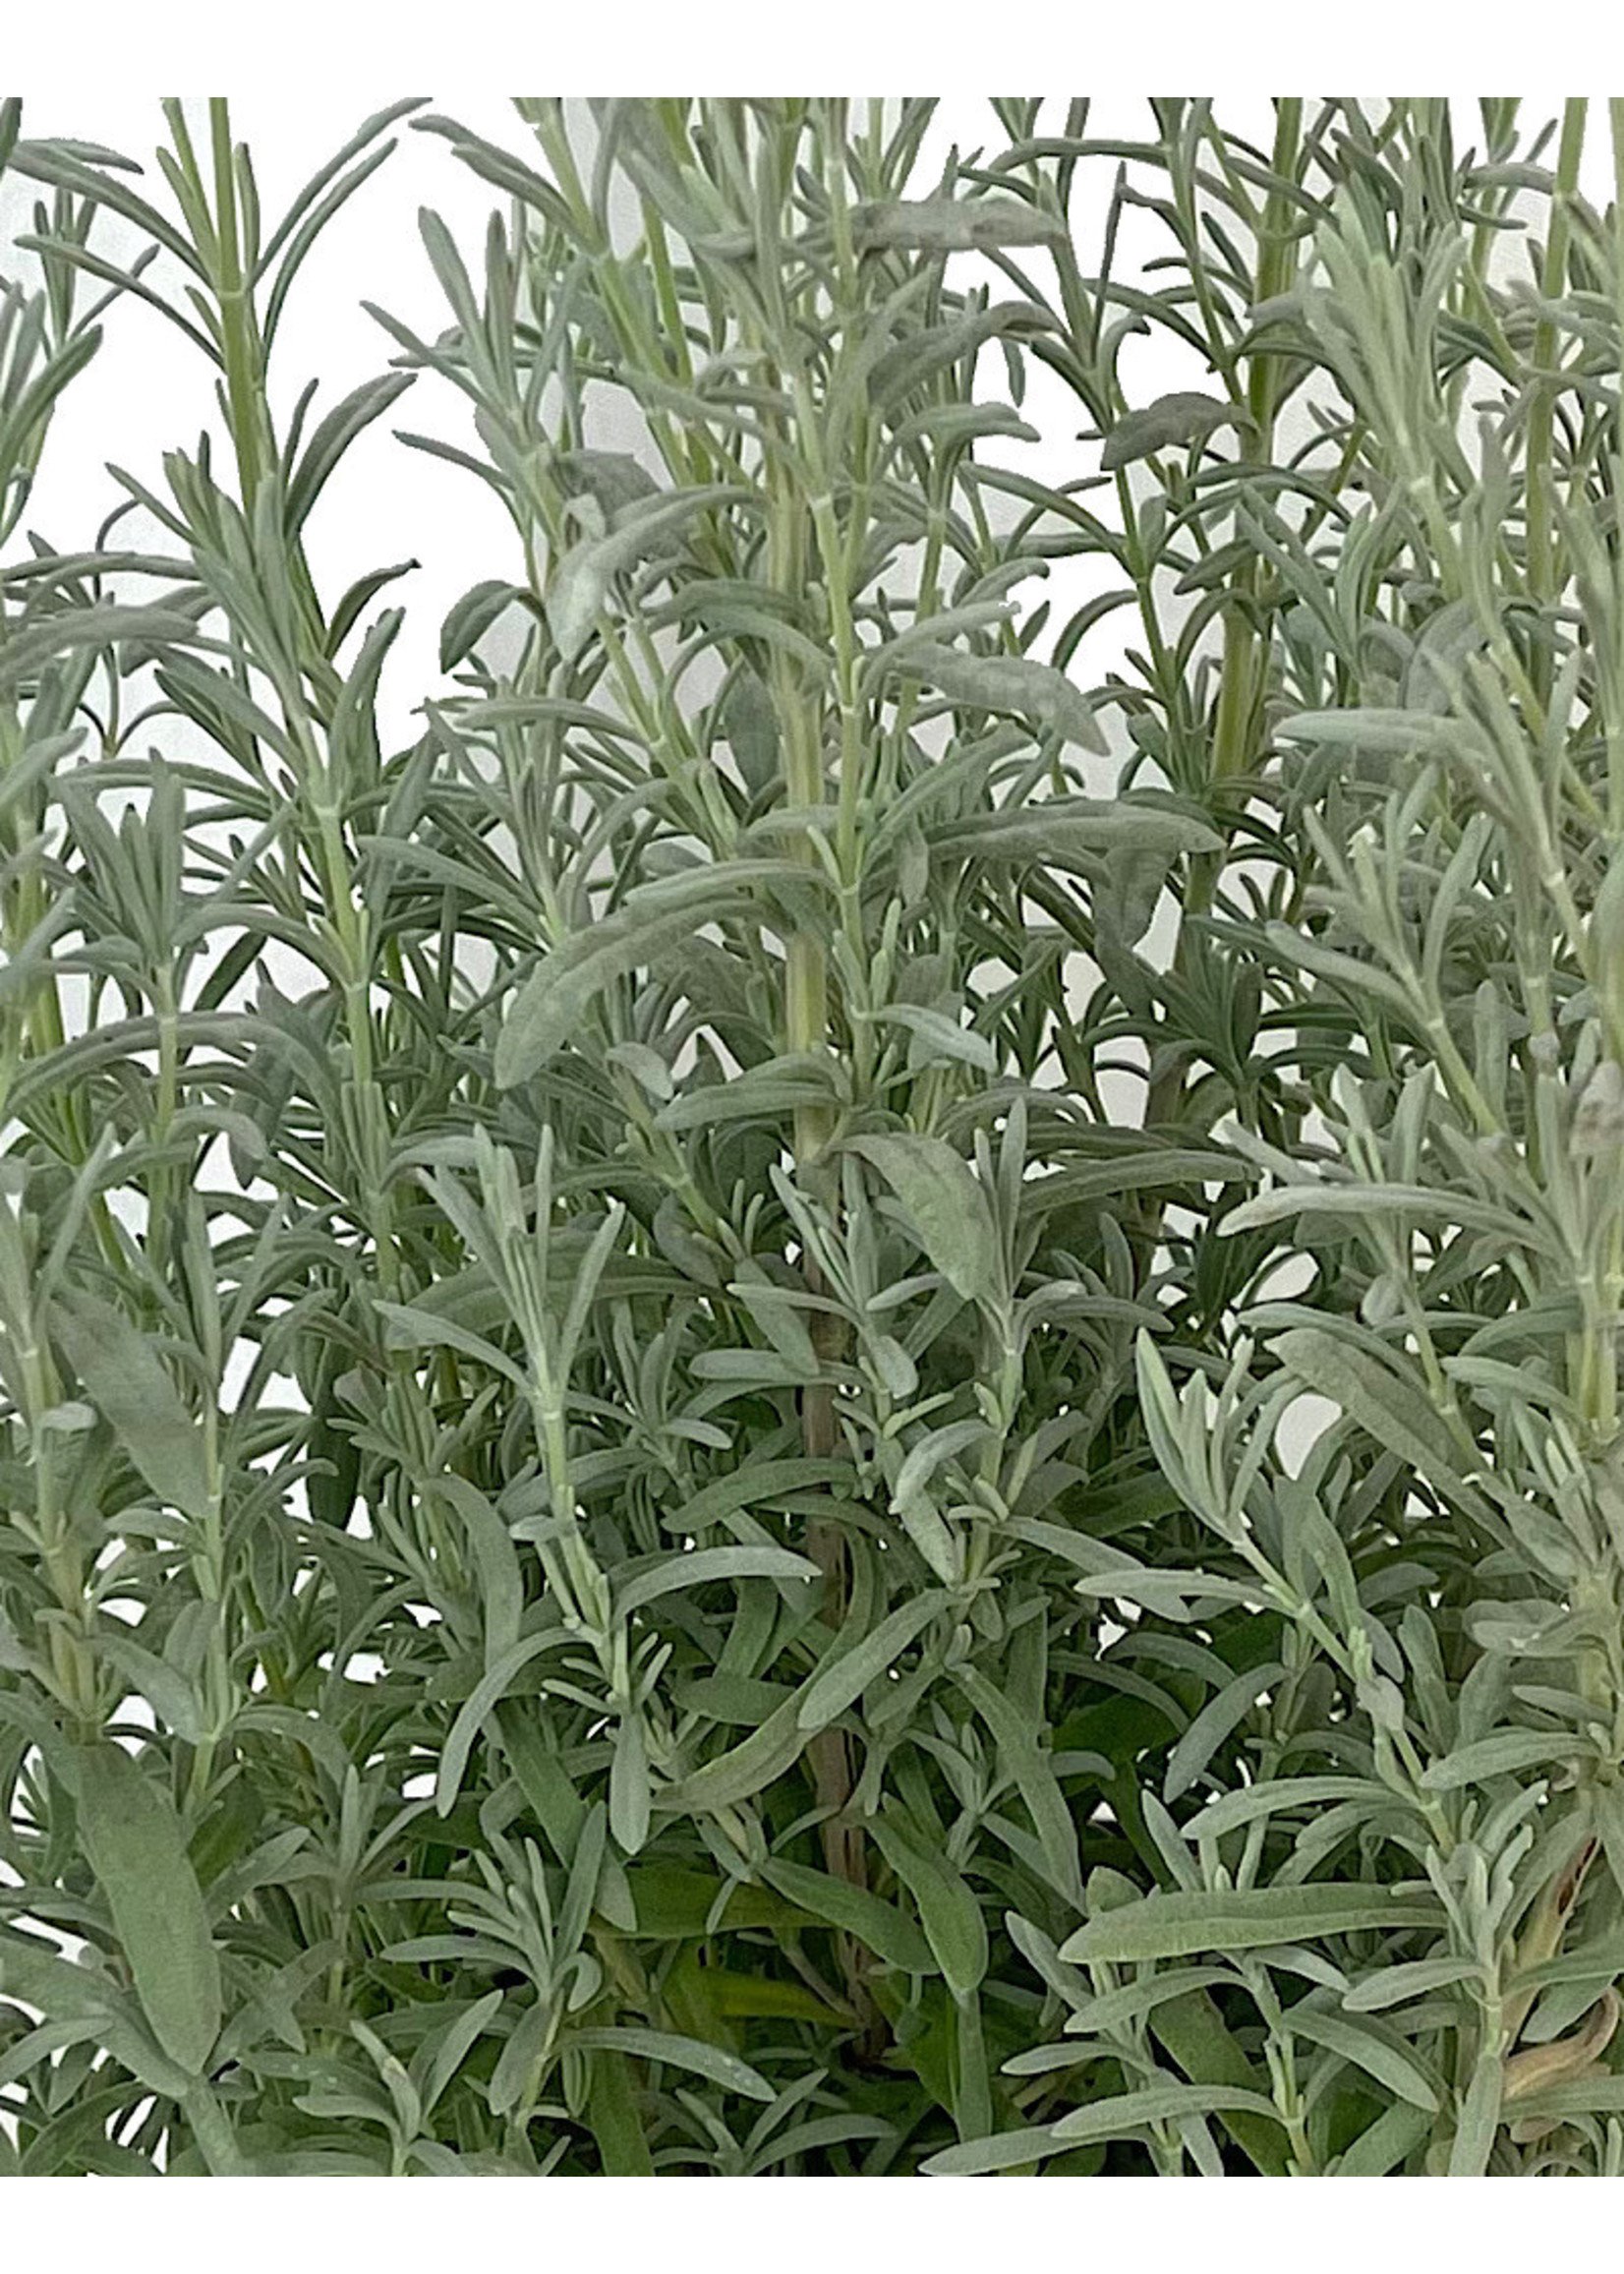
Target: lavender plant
point(647, 1532)
point(1400, 1895)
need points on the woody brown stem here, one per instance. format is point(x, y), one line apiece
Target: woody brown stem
point(828, 1754)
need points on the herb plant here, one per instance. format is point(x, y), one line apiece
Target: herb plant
point(655, 1344)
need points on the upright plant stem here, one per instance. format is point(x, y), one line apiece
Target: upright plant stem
point(1245, 657)
point(1544, 552)
point(799, 712)
point(1234, 734)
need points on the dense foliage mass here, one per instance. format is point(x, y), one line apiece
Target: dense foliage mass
point(653, 1347)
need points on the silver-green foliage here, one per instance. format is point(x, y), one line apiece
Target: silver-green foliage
point(775, 1632)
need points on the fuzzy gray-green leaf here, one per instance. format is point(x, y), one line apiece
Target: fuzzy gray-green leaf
point(130, 1387)
point(138, 1851)
point(1186, 1925)
point(945, 1205)
point(1169, 423)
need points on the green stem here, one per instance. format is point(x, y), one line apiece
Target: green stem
point(1543, 564)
